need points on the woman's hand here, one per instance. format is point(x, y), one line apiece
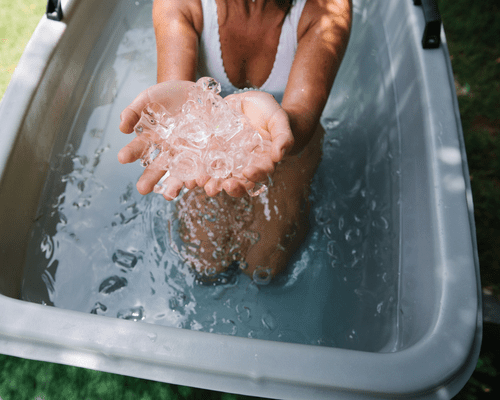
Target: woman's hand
point(264, 113)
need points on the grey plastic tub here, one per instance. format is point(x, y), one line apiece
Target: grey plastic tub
point(426, 348)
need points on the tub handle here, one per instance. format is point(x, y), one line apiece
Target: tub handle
point(54, 10)
point(431, 38)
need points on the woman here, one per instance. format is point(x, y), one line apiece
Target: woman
point(291, 49)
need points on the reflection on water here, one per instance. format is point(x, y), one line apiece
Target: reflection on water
point(100, 247)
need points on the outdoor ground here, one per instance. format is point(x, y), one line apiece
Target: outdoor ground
point(472, 29)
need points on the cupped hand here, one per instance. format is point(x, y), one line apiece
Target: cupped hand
point(271, 121)
point(264, 113)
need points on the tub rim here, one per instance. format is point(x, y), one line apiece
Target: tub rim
point(416, 377)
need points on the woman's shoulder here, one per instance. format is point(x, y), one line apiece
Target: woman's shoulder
point(317, 11)
point(190, 10)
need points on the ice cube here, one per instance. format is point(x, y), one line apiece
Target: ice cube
point(205, 137)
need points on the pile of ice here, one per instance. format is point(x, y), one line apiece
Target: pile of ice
point(206, 137)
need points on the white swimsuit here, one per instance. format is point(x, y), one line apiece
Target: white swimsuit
point(210, 54)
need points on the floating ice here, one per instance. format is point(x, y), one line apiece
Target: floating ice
point(206, 137)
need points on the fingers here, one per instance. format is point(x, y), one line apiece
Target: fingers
point(261, 164)
point(259, 169)
point(213, 187)
point(172, 187)
point(202, 180)
point(281, 133)
point(170, 94)
point(134, 150)
point(190, 184)
point(268, 117)
point(236, 187)
point(149, 178)
point(131, 115)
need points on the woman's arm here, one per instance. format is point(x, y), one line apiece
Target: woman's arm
point(323, 34)
point(178, 25)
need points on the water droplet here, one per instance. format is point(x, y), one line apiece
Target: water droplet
point(177, 302)
point(257, 190)
point(124, 259)
point(262, 276)
point(99, 309)
point(331, 248)
point(330, 123)
point(269, 321)
point(252, 236)
point(323, 215)
point(341, 223)
point(227, 327)
point(47, 246)
point(243, 265)
point(384, 223)
point(152, 337)
point(244, 313)
point(132, 314)
point(351, 338)
point(112, 284)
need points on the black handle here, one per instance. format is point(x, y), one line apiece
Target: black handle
point(54, 10)
point(431, 38)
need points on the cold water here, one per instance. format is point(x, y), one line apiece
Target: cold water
point(100, 247)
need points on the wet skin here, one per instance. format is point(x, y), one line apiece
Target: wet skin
point(249, 34)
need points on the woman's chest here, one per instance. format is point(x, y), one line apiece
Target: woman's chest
point(249, 50)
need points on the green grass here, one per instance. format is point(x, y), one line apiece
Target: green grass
point(472, 29)
point(18, 19)
point(35, 380)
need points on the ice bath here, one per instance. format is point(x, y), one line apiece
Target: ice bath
point(100, 247)
point(94, 274)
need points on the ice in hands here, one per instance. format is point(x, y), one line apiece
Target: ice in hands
point(206, 137)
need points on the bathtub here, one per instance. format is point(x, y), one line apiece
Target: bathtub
point(393, 133)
